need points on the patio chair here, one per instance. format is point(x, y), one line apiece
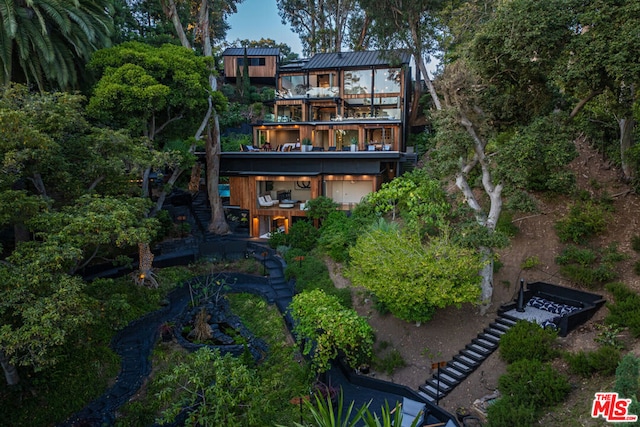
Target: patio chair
point(263, 203)
point(268, 199)
point(412, 410)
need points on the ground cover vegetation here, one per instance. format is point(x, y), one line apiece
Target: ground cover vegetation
point(518, 83)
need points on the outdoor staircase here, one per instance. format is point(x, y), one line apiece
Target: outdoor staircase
point(446, 378)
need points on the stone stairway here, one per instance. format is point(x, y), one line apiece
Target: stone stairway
point(445, 379)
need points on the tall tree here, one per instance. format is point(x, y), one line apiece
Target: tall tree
point(321, 24)
point(600, 57)
point(151, 91)
point(204, 13)
point(45, 43)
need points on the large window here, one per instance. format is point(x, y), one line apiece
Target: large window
point(323, 85)
point(357, 82)
point(253, 62)
point(294, 85)
point(387, 81)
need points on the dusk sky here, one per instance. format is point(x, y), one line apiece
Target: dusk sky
point(258, 19)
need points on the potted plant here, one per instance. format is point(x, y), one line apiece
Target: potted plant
point(354, 144)
point(306, 144)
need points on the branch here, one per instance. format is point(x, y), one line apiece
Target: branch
point(583, 102)
point(173, 119)
point(95, 182)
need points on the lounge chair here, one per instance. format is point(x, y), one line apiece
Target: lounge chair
point(263, 203)
point(268, 199)
point(412, 410)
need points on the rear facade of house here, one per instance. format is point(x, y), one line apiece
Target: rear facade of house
point(337, 128)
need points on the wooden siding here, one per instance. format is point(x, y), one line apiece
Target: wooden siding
point(265, 71)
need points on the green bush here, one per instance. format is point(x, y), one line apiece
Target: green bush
point(527, 340)
point(588, 277)
point(311, 273)
point(575, 255)
point(303, 235)
point(635, 242)
point(389, 362)
point(627, 375)
point(604, 360)
point(584, 220)
point(278, 238)
point(636, 268)
point(624, 311)
point(504, 413)
point(532, 382)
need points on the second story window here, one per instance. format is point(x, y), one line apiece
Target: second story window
point(357, 82)
point(253, 62)
point(387, 81)
point(296, 86)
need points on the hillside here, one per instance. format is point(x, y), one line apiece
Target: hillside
point(452, 328)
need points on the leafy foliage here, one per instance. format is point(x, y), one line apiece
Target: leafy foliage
point(527, 340)
point(584, 220)
point(419, 200)
point(320, 208)
point(303, 235)
point(604, 360)
point(532, 382)
point(624, 311)
point(587, 267)
point(413, 280)
point(220, 390)
point(328, 329)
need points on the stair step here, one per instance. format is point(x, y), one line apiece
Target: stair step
point(465, 360)
point(506, 322)
point(482, 351)
point(439, 385)
point(488, 344)
point(473, 355)
point(454, 373)
point(426, 396)
point(494, 332)
point(460, 366)
point(488, 337)
point(445, 378)
point(431, 391)
point(499, 327)
point(509, 317)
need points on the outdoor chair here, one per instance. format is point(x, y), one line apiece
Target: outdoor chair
point(268, 199)
point(263, 203)
point(411, 410)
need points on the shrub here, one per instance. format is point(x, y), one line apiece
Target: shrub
point(527, 340)
point(588, 268)
point(604, 360)
point(635, 242)
point(504, 413)
point(636, 268)
point(627, 377)
point(389, 363)
point(574, 255)
point(624, 311)
point(278, 238)
point(327, 329)
point(584, 220)
point(303, 235)
point(531, 382)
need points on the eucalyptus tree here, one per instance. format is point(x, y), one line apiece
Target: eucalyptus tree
point(322, 25)
point(204, 14)
point(46, 43)
point(600, 64)
point(151, 92)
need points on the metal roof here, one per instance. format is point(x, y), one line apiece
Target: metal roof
point(252, 51)
point(343, 60)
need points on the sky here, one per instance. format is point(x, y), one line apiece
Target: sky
point(258, 19)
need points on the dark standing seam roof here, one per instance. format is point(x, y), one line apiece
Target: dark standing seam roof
point(252, 51)
point(356, 59)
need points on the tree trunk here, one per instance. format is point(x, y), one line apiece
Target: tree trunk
point(145, 182)
point(486, 273)
point(10, 371)
point(194, 182)
point(167, 188)
point(626, 141)
point(218, 224)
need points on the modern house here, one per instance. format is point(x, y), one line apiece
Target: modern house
point(338, 129)
point(262, 63)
